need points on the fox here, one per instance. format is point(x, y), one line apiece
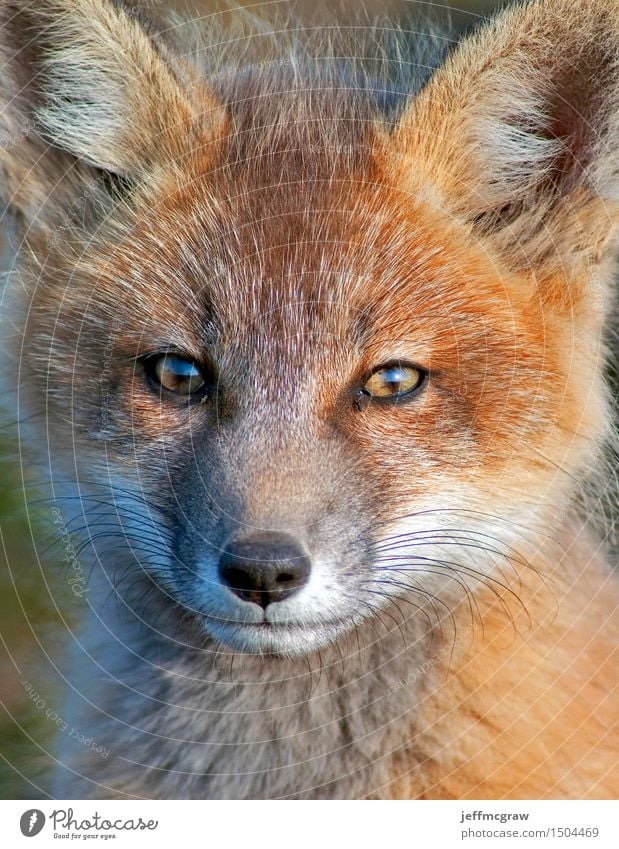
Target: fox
point(314, 344)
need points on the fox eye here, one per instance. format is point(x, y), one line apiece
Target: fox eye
point(394, 380)
point(176, 374)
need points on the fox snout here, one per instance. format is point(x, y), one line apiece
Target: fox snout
point(264, 568)
point(263, 552)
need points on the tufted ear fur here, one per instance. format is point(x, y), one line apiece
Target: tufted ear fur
point(519, 133)
point(84, 84)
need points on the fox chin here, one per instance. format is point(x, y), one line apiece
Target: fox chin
point(314, 356)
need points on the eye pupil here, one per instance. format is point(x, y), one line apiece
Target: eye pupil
point(394, 381)
point(177, 374)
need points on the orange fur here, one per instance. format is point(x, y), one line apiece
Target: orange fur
point(288, 238)
point(527, 707)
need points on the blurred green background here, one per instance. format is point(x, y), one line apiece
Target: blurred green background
point(29, 622)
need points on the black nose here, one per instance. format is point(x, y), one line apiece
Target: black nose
point(264, 567)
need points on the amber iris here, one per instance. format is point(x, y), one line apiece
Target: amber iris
point(177, 374)
point(394, 380)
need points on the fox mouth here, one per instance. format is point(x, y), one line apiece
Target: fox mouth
point(289, 639)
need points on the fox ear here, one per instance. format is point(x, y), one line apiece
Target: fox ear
point(84, 78)
point(519, 131)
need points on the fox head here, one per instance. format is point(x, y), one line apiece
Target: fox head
point(309, 350)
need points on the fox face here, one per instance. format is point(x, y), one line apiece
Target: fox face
point(315, 359)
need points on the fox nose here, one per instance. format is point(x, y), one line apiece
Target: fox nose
point(264, 567)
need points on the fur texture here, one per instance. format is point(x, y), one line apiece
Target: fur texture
point(290, 220)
